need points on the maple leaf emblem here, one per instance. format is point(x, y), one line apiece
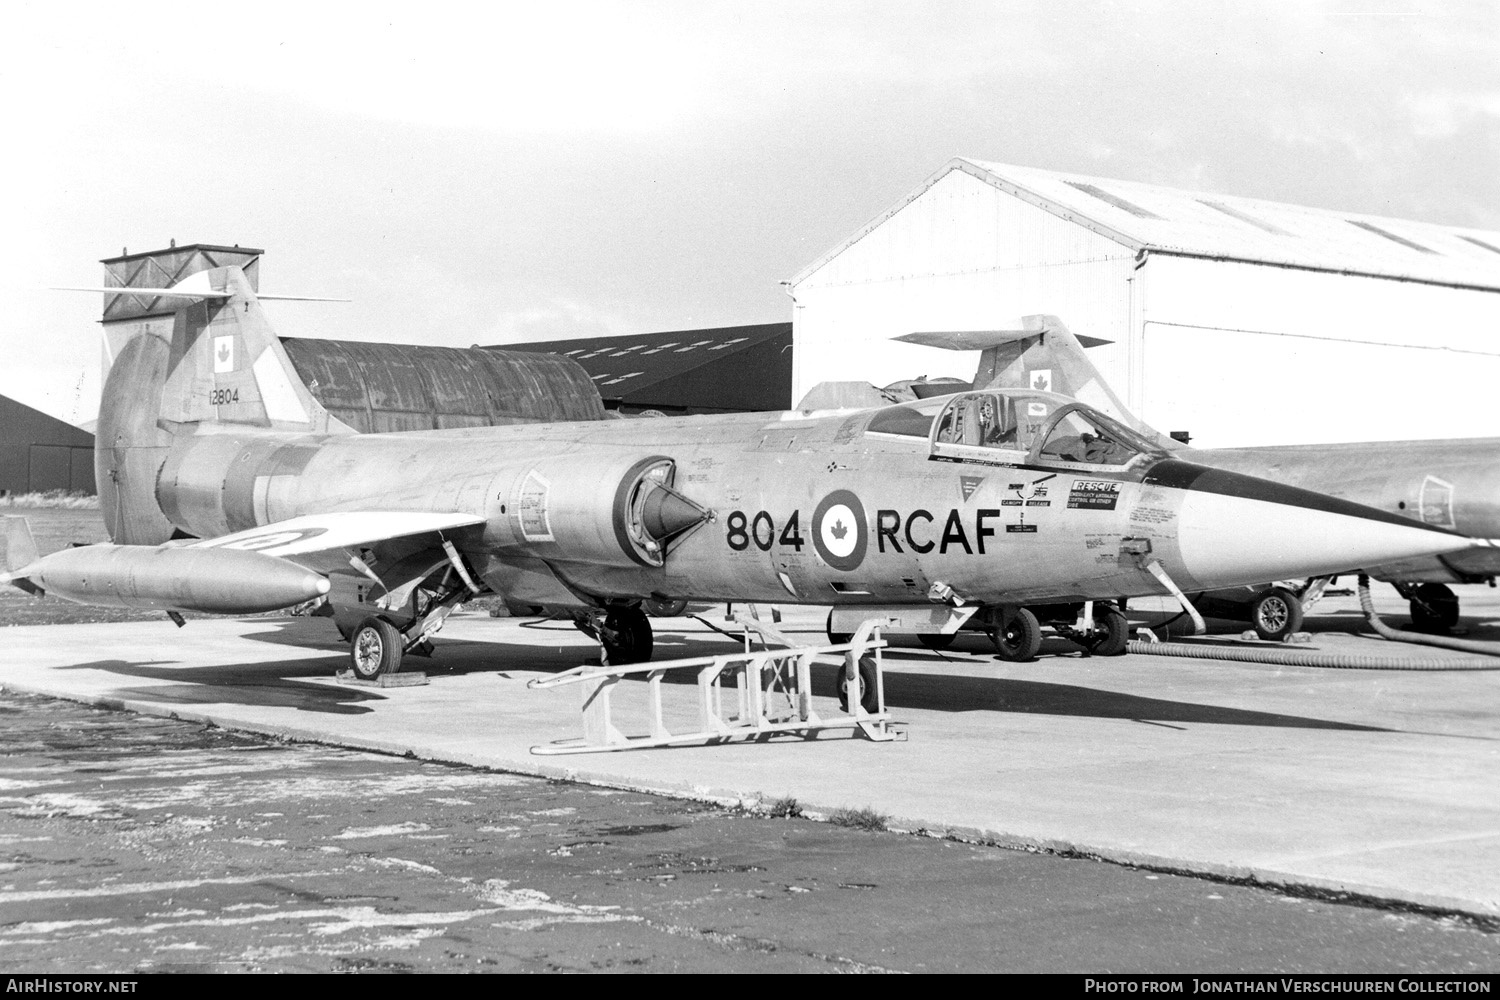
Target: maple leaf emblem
point(224, 351)
point(1040, 383)
point(838, 530)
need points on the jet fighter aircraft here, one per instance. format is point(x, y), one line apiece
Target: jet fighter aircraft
point(978, 506)
point(1452, 484)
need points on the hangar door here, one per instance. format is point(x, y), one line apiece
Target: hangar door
point(1237, 388)
point(60, 467)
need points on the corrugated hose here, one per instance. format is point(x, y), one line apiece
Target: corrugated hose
point(1344, 661)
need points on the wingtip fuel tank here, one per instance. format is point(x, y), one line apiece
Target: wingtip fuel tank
point(215, 581)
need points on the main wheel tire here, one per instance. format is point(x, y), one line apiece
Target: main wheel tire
point(628, 636)
point(1434, 608)
point(375, 649)
point(1019, 639)
point(935, 640)
point(836, 638)
point(664, 609)
point(1111, 631)
point(869, 698)
point(1276, 614)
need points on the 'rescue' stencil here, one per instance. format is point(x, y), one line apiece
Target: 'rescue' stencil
point(1093, 494)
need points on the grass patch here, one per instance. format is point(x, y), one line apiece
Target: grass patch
point(67, 499)
point(784, 808)
point(859, 819)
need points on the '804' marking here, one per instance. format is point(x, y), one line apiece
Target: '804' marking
point(761, 531)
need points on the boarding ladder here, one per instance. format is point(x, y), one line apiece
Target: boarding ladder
point(772, 694)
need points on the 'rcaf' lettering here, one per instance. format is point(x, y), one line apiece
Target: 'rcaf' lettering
point(919, 532)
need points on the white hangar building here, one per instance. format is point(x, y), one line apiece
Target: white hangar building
point(1239, 321)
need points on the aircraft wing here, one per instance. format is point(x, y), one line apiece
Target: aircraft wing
point(338, 530)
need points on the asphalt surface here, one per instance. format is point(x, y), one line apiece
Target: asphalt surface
point(1347, 820)
point(136, 844)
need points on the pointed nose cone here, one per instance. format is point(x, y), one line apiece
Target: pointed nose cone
point(1235, 529)
point(664, 514)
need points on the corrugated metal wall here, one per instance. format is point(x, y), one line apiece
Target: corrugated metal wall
point(1245, 354)
point(399, 387)
point(960, 256)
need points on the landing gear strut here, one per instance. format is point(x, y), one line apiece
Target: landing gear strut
point(1110, 633)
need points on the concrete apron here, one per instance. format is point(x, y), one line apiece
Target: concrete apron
point(1374, 783)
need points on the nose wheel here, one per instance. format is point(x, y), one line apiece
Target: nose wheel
point(1276, 614)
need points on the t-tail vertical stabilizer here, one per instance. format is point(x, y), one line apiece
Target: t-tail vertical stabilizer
point(1042, 354)
point(227, 366)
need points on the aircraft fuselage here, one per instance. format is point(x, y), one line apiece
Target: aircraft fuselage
point(800, 509)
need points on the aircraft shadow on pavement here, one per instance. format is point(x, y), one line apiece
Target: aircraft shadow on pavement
point(965, 693)
point(456, 657)
point(268, 685)
point(1028, 697)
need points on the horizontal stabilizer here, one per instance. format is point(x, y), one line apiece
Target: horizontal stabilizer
point(199, 293)
point(982, 340)
point(339, 530)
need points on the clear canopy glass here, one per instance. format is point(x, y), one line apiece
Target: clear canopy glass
point(1035, 427)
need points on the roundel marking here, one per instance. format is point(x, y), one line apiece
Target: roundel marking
point(839, 532)
point(271, 540)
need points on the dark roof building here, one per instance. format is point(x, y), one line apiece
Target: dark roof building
point(721, 370)
point(401, 387)
point(39, 453)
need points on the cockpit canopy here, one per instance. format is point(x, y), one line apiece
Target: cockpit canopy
point(1016, 427)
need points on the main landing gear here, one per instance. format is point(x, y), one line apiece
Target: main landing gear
point(377, 644)
point(624, 634)
point(1018, 633)
point(375, 648)
point(1018, 637)
point(1434, 607)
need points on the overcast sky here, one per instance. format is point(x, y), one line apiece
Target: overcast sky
point(484, 173)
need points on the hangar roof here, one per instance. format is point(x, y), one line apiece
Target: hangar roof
point(1154, 219)
point(686, 368)
point(24, 425)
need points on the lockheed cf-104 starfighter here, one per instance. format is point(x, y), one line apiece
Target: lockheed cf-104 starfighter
point(974, 509)
point(1452, 484)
